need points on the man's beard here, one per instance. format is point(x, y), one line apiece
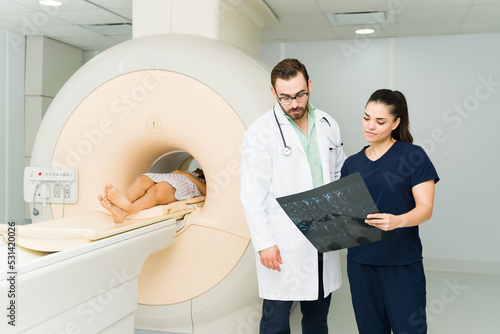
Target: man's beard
point(292, 112)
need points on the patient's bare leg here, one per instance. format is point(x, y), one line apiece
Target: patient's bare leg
point(117, 213)
point(160, 193)
point(139, 188)
point(117, 198)
point(135, 191)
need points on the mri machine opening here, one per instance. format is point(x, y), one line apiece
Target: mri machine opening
point(161, 103)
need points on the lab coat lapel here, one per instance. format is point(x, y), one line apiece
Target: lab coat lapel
point(323, 147)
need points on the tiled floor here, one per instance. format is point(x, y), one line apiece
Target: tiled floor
point(457, 303)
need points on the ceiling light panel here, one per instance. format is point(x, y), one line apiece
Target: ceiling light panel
point(50, 3)
point(361, 18)
point(117, 29)
point(330, 6)
point(365, 31)
point(67, 5)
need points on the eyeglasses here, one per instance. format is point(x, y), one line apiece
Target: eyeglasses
point(302, 97)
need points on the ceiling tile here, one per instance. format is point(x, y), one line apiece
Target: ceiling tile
point(479, 27)
point(7, 6)
point(96, 16)
point(122, 38)
point(484, 12)
point(113, 3)
point(305, 20)
point(90, 43)
point(125, 12)
point(68, 31)
point(295, 35)
point(31, 20)
point(268, 35)
point(432, 15)
point(120, 7)
point(486, 2)
point(280, 7)
point(427, 4)
point(386, 32)
point(429, 29)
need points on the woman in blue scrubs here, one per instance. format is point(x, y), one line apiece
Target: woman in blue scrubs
point(387, 277)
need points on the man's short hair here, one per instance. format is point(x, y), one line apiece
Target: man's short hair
point(287, 69)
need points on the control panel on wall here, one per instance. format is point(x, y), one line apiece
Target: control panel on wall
point(50, 185)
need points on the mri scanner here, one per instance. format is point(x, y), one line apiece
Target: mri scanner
point(154, 103)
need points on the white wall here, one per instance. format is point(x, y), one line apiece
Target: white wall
point(452, 84)
point(12, 55)
point(49, 64)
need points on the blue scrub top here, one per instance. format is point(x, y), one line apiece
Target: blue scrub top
point(390, 180)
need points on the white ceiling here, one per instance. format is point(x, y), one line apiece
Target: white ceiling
point(298, 20)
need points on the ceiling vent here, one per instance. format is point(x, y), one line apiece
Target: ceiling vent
point(111, 29)
point(361, 18)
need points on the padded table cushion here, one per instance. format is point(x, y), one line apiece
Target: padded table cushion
point(64, 233)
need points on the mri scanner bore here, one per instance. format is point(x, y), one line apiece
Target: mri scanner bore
point(151, 189)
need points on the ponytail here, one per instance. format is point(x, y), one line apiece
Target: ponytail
point(399, 109)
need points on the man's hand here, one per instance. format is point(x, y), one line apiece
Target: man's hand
point(271, 258)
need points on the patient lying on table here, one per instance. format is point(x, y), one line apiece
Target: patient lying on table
point(152, 189)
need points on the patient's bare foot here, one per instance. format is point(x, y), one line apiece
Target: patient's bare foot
point(117, 213)
point(116, 197)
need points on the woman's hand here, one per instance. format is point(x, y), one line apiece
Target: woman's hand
point(384, 221)
point(423, 194)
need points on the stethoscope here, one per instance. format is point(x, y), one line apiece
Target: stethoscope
point(287, 150)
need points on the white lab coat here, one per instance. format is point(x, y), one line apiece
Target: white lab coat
point(267, 174)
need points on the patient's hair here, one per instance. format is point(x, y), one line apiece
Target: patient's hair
point(199, 171)
point(287, 69)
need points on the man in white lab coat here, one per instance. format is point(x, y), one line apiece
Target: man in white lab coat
point(292, 148)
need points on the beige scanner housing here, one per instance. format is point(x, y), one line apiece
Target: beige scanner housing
point(157, 103)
